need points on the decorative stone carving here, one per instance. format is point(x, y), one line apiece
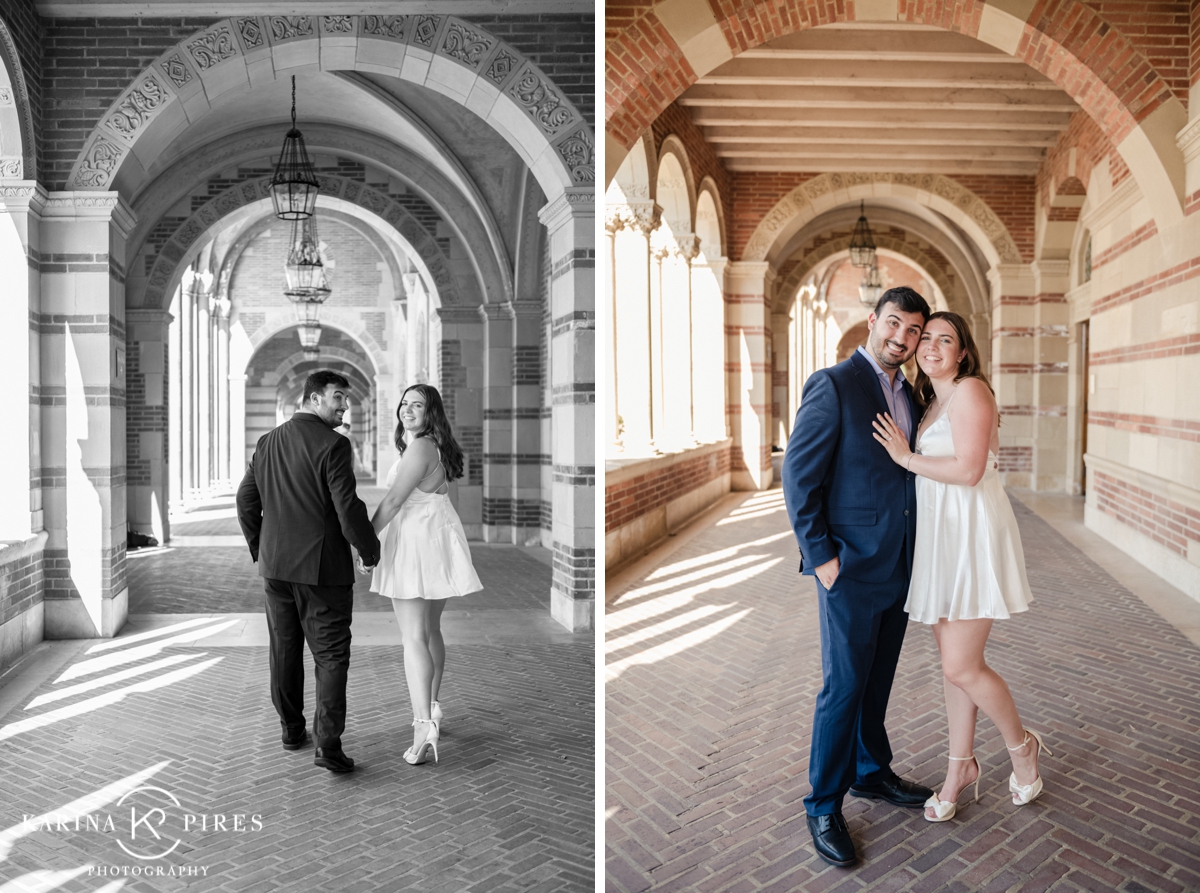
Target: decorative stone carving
point(578, 154)
point(176, 70)
point(189, 232)
point(6, 96)
point(642, 217)
point(250, 192)
point(289, 27)
point(467, 46)
point(211, 48)
point(385, 26)
point(538, 97)
point(426, 30)
point(229, 201)
point(137, 108)
point(501, 67)
point(98, 164)
point(12, 168)
point(337, 24)
point(251, 31)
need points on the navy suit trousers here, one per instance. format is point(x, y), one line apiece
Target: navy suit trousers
point(862, 631)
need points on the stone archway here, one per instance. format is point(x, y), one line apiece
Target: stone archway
point(827, 191)
point(456, 58)
point(1140, 117)
point(18, 150)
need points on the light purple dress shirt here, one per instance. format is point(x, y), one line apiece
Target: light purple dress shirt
point(893, 393)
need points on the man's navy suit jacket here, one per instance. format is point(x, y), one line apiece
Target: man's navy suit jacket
point(298, 505)
point(845, 497)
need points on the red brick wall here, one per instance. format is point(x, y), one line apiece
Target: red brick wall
point(1164, 520)
point(705, 163)
point(1194, 53)
point(645, 71)
point(1012, 200)
point(630, 500)
point(1159, 30)
point(1091, 146)
point(754, 195)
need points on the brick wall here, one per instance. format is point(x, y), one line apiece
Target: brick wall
point(21, 583)
point(1164, 520)
point(87, 63)
point(1194, 52)
point(704, 161)
point(562, 46)
point(1012, 200)
point(1091, 145)
point(631, 499)
point(1159, 29)
point(754, 195)
point(141, 418)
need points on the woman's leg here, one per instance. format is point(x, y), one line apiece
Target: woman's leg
point(437, 645)
point(961, 715)
point(961, 643)
point(413, 616)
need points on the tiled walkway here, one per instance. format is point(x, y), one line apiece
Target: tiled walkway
point(179, 702)
point(713, 663)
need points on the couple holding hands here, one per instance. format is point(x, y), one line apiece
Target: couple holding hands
point(300, 512)
point(895, 500)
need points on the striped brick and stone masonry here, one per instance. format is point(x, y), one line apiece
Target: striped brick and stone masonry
point(82, 398)
point(747, 332)
point(1029, 373)
point(462, 375)
point(146, 427)
point(569, 222)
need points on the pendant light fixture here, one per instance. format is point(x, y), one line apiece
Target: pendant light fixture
point(308, 283)
point(871, 287)
point(294, 187)
point(862, 246)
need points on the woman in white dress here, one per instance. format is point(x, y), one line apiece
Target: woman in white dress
point(424, 557)
point(969, 569)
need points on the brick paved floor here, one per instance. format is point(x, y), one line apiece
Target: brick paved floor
point(713, 663)
point(510, 806)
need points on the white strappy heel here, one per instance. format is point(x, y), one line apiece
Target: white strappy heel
point(1027, 793)
point(944, 810)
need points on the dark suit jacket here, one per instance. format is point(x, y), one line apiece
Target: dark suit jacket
point(299, 508)
point(845, 496)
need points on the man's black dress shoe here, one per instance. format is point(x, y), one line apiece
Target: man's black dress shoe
point(895, 791)
point(832, 840)
point(333, 760)
point(295, 741)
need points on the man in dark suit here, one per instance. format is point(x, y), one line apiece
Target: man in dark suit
point(300, 512)
point(854, 514)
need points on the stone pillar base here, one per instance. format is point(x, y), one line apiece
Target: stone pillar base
point(67, 618)
point(577, 615)
point(21, 633)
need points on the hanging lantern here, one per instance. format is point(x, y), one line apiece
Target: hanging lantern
point(294, 187)
point(871, 287)
point(310, 335)
point(305, 271)
point(862, 246)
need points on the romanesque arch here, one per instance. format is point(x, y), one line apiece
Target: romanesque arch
point(1062, 41)
point(18, 149)
point(455, 58)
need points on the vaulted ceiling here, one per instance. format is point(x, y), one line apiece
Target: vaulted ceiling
point(872, 97)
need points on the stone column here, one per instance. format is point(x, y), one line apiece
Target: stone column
point(187, 363)
point(498, 459)
point(781, 408)
point(675, 358)
point(387, 397)
point(237, 428)
point(708, 349)
point(633, 223)
point(1014, 323)
point(147, 460)
point(612, 439)
point(1050, 374)
point(83, 419)
point(221, 423)
point(462, 391)
point(21, 207)
point(569, 221)
point(527, 448)
point(204, 401)
point(747, 328)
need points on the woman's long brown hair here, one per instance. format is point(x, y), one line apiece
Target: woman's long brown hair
point(970, 366)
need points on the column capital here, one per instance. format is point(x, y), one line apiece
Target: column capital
point(493, 312)
point(23, 195)
point(90, 205)
point(644, 217)
point(748, 277)
point(148, 315)
point(571, 204)
point(680, 244)
point(458, 314)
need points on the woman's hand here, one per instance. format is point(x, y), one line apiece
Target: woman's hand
point(892, 438)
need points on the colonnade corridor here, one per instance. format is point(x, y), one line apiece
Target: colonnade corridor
point(713, 662)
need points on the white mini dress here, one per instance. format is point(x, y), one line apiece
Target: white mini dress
point(968, 562)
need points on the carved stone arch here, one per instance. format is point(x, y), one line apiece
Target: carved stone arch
point(458, 59)
point(291, 361)
point(673, 145)
point(18, 142)
point(789, 286)
point(708, 186)
point(827, 191)
point(173, 254)
point(281, 319)
point(634, 180)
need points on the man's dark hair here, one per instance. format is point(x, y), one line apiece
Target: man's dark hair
point(905, 300)
point(318, 381)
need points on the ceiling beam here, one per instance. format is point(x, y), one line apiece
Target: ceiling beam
point(802, 135)
point(1009, 169)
